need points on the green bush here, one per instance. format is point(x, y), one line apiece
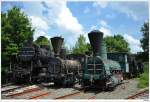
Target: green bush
point(144, 78)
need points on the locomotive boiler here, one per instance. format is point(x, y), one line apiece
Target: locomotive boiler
point(62, 71)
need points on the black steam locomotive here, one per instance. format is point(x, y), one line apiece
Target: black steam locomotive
point(62, 71)
point(38, 64)
point(30, 63)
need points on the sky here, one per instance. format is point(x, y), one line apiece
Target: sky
point(69, 19)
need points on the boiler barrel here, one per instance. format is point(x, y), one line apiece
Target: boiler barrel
point(71, 64)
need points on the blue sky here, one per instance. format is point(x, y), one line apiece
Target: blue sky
point(70, 19)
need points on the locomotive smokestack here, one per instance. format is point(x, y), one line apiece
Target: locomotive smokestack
point(57, 43)
point(95, 38)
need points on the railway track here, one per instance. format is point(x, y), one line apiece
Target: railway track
point(68, 95)
point(8, 84)
point(140, 95)
point(93, 97)
point(43, 94)
point(29, 91)
point(38, 92)
point(12, 93)
point(71, 94)
point(24, 92)
point(11, 88)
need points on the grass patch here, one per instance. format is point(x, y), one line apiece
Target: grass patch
point(144, 78)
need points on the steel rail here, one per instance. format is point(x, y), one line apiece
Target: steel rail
point(93, 97)
point(141, 93)
point(40, 95)
point(68, 95)
point(24, 92)
point(11, 89)
point(6, 85)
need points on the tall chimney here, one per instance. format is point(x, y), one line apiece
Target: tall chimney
point(96, 38)
point(57, 44)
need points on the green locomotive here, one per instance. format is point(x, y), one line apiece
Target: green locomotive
point(99, 71)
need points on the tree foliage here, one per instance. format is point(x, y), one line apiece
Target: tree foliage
point(116, 43)
point(81, 47)
point(145, 40)
point(15, 29)
point(41, 40)
point(64, 46)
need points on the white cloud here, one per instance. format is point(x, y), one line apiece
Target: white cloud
point(98, 5)
point(40, 25)
point(68, 22)
point(47, 15)
point(132, 10)
point(103, 23)
point(60, 16)
point(38, 33)
point(132, 40)
point(102, 4)
point(33, 8)
point(134, 44)
point(106, 31)
point(93, 27)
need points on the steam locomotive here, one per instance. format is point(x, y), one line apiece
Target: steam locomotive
point(29, 64)
point(40, 64)
point(98, 70)
point(106, 70)
point(62, 71)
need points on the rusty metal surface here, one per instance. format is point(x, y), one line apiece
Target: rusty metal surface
point(68, 95)
point(24, 92)
point(92, 97)
point(11, 88)
point(40, 95)
point(140, 95)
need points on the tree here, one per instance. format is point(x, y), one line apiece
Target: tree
point(145, 40)
point(15, 29)
point(116, 43)
point(81, 46)
point(64, 46)
point(42, 40)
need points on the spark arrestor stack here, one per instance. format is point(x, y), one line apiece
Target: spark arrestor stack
point(57, 44)
point(95, 38)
